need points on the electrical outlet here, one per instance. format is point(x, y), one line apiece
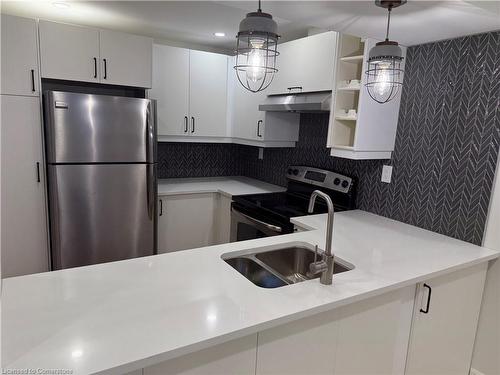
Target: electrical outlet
point(386, 173)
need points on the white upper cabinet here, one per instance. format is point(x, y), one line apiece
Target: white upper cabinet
point(125, 59)
point(306, 64)
point(258, 128)
point(85, 54)
point(171, 89)
point(246, 119)
point(69, 52)
point(190, 88)
point(19, 56)
point(207, 94)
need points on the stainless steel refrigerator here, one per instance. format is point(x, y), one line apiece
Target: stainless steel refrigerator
point(101, 163)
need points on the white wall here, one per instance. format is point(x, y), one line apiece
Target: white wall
point(486, 357)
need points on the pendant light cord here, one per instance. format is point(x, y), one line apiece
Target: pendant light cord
point(388, 22)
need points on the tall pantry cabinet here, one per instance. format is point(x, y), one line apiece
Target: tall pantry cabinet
point(23, 215)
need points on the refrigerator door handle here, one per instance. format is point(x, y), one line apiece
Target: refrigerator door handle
point(151, 191)
point(38, 179)
point(150, 132)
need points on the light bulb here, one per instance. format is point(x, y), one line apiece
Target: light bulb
point(383, 80)
point(256, 70)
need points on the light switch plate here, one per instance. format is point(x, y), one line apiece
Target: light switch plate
point(386, 173)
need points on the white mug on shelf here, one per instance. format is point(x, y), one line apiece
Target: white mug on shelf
point(354, 82)
point(352, 113)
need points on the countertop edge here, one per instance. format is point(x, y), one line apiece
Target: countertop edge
point(221, 185)
point(247, 331)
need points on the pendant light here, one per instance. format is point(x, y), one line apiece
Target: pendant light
point(256, 51)
point(384, 76)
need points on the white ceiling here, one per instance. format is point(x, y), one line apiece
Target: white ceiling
point(192, 23)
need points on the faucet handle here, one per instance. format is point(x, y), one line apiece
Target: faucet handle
point(317, 266)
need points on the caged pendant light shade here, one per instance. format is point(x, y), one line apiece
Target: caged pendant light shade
point(384, 76)
point(256, 51)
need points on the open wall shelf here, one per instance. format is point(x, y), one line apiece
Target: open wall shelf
point(370, 134)
point(352, 59)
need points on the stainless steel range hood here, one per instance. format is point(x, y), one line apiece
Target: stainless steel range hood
point(317, 101)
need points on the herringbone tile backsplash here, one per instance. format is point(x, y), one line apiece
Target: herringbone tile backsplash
point(446, 146)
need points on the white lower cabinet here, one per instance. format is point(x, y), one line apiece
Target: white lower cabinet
point(236, 357)
point(223, 219)
point(385, 335)
point(306, 346)
point(445, 323)
point(368, 337)
point(24, 229)
point(373, 334)
point(186, 221)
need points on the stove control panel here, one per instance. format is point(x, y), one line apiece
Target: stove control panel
point(320, 177)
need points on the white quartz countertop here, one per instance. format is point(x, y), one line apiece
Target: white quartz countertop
point(228, 186)
point(121, 316)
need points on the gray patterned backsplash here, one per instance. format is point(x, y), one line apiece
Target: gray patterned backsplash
point(198, 160)
point(446, 145)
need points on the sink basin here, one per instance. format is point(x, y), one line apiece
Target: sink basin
point(279, 267)
point(256, 273)
point(293, 263)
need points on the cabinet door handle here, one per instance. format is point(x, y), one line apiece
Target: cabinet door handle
point(105, 68)
point(258, 128)
point(186, 124)
point(33, 80)
point(95, 67)
point(428, 304)
point(294, 88)
point(192, 122)
point(37, 171)
point(161, 207)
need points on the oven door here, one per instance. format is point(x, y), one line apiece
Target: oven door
point(245, 226)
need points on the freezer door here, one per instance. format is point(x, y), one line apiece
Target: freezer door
point(84, 128)
point(101, 213)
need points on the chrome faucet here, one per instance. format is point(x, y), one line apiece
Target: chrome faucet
point(324, 266)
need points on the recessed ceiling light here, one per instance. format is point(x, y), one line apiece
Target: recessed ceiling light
point(220, 35)
point(61, 5)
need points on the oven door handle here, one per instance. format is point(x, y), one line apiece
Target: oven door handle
point(274, 228)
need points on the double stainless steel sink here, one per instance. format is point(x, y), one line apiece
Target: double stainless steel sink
point(279, 267)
